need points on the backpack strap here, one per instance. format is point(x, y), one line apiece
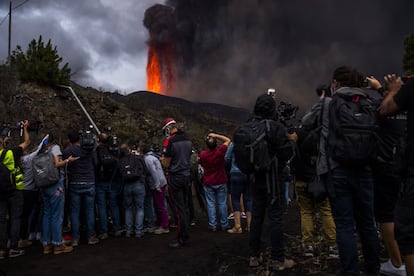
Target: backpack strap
point(3, 155)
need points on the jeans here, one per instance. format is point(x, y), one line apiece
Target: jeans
point(134, 197)
point(13, 204)
point(160, 207)
point(217, 195)
point(352, 207)
point(262, 200)
point(105, 193)
point(239, 186)
point(53, 203)
point(149, 211)
point(82, 193)
point(178, 189)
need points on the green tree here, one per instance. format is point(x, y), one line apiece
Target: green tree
point(40, 64)
point(408, 59)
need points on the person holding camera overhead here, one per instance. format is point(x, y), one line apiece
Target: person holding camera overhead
point(215, 179)
point(11, 196)
point(81, 179)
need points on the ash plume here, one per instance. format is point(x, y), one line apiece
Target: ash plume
point(230, 51)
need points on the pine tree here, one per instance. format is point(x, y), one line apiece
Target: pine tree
point(408, 59)
point(40, 64)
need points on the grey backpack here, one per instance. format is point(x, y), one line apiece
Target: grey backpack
point(44, 170)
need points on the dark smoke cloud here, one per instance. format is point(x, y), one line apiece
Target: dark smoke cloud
point(230, 51)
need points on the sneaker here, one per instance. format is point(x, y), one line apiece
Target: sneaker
point(2, 254)
point(32, 236)
point(193, 223)
point(75, 242)
point(128, 234)
point(308, 251)
point(47, 249)
point(93, 240)
point(139, 235)
point(212, 229)
point(279, 266)
point(243, 215)
point(161, 230)
point(149, 229)
point(333, 251)
point(13, 253)
point(58, 249)
point(117, 233)
point(231, 216)
point(255, 261)
point(103, 236)
point(388, 268)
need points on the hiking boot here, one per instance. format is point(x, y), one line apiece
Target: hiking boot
point(255, 261)
point(58, 249)
point(388, 268)
point(3, 254)
point(93, 240)
point(75, 242)
point(161, 230)
point(103, 236)
point(117, 233)
point(47, 249)
point(24, 243)
point(308, 251)
point(279, 266)
point(333, 251)
point(235, 230)
point(13, 253)
point(231, 216)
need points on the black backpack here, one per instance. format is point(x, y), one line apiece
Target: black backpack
point(133, 168)
point(45, 171)
point(7, 177)
point(251, 151)
point(352, 134)
point(309, 144)
point(107, 162)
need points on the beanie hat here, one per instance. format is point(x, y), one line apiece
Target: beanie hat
point(167, 122)
point(265, 106)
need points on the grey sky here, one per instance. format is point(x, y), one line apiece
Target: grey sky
point(102, 40)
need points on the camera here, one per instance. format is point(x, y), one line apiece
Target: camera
point(287, 115)
point(88, 139)
point(324, 88)
point(113, 144)
point(271, 92)
point(10, 128)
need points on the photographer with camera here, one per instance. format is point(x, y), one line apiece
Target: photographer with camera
point(11, 195)
point(81, 179)
point(107, 184)
point(310, 200)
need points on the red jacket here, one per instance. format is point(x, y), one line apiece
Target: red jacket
point(214, 166)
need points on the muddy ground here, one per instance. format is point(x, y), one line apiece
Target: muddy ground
point(216, 253)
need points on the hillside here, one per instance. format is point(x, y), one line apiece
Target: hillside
point(135, 117)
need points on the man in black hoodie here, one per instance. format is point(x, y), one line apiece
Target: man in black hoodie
point(267, 191)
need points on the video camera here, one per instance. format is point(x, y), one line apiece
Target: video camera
point(287, 115)
point(112, 142)
point(88, 139)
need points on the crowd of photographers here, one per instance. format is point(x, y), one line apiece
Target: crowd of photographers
point(328, 155)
